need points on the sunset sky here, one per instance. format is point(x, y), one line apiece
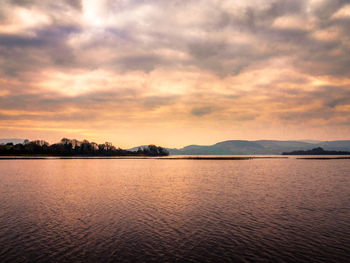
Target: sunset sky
point(174, 73)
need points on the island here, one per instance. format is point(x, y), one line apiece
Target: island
point(68, 147)
point(316, 151)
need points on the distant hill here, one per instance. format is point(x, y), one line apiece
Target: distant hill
point(13, 140)
point(316, 151)
point(310, 141)
point(335, 145)
point(242, 147)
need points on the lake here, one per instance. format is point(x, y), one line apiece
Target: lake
point(151, 210)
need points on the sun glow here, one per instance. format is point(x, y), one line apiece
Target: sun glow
point(93, 13)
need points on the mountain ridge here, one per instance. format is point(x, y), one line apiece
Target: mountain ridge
point(259, 147)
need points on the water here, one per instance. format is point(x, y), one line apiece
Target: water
point(265, 210)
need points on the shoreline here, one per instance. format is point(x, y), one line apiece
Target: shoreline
point(323, 158)
point(218, 158)
point(134, 158)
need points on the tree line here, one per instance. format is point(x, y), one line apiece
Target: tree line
point(67, 147)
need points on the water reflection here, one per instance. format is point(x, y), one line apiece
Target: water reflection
point(166, 210)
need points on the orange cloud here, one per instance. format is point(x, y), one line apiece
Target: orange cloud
point(174, 73)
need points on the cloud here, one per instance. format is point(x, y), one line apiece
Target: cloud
point(201, 111)
point(204, 63)
point(231, 40)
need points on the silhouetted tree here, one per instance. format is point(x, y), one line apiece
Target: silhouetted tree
point(67, 147)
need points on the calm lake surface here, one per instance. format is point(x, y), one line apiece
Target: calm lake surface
point(265, 210)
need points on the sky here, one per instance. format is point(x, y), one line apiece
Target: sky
point(174, 73)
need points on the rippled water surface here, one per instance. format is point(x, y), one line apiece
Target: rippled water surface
point(267, 210)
